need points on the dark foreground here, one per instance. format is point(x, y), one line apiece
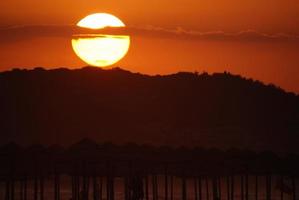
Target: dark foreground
point(87, 170)
point(219, 110)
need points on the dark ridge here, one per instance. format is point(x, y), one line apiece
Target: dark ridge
point(220, 110)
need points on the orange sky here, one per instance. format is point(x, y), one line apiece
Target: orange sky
point(206, 15)
point(159, 49)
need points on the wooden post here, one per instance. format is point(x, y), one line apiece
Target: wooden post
point(155, 187)
point(268, 187)
point(101, 189)
point(228, 188)
point(246, 187)
point(242, 187)
point(41, 188)
point(146, 187)
point(256, 187)
point(85, 187)
point(109, 182)
point(184, 192)
point(294, 187)
point(166, 183)
point(199, 188)
point(219, 188)
point(78, 187)
point(7, 189)
point(58, 191)
point(232, 193)
point(107, 187)
point(12, 189)
point(126, 187)
point(57, 186)
point(25, 188)
point(207, 189)
point(195, 188)
point(95, 188)
point(171, 187)
point(112, 188)
point(73, 187)
point(35, 190)
point(21, 189)
point(214, 188)
point(281, 189)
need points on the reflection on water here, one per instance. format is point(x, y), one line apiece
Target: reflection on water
point(119, 194)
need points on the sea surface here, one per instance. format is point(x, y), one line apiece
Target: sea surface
point(207, 192)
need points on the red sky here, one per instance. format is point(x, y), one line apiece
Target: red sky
point(167, 36)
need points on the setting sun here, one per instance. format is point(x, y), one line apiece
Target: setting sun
point(99, 49)
point(139, 100)
point(100, 20)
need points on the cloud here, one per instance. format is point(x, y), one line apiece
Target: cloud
point(246, 35)
point(17, 33)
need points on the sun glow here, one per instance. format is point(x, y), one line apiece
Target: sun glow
point(98, 49)
point(100, 20)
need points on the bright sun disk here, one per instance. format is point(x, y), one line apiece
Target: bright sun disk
point(101, 50)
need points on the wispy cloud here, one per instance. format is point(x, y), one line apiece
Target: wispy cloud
point(17, 33)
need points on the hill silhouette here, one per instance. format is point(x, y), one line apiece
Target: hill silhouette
point(221, 110)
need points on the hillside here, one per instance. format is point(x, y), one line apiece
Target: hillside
point(219, 110)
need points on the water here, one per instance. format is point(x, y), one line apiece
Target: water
point(207, 188)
